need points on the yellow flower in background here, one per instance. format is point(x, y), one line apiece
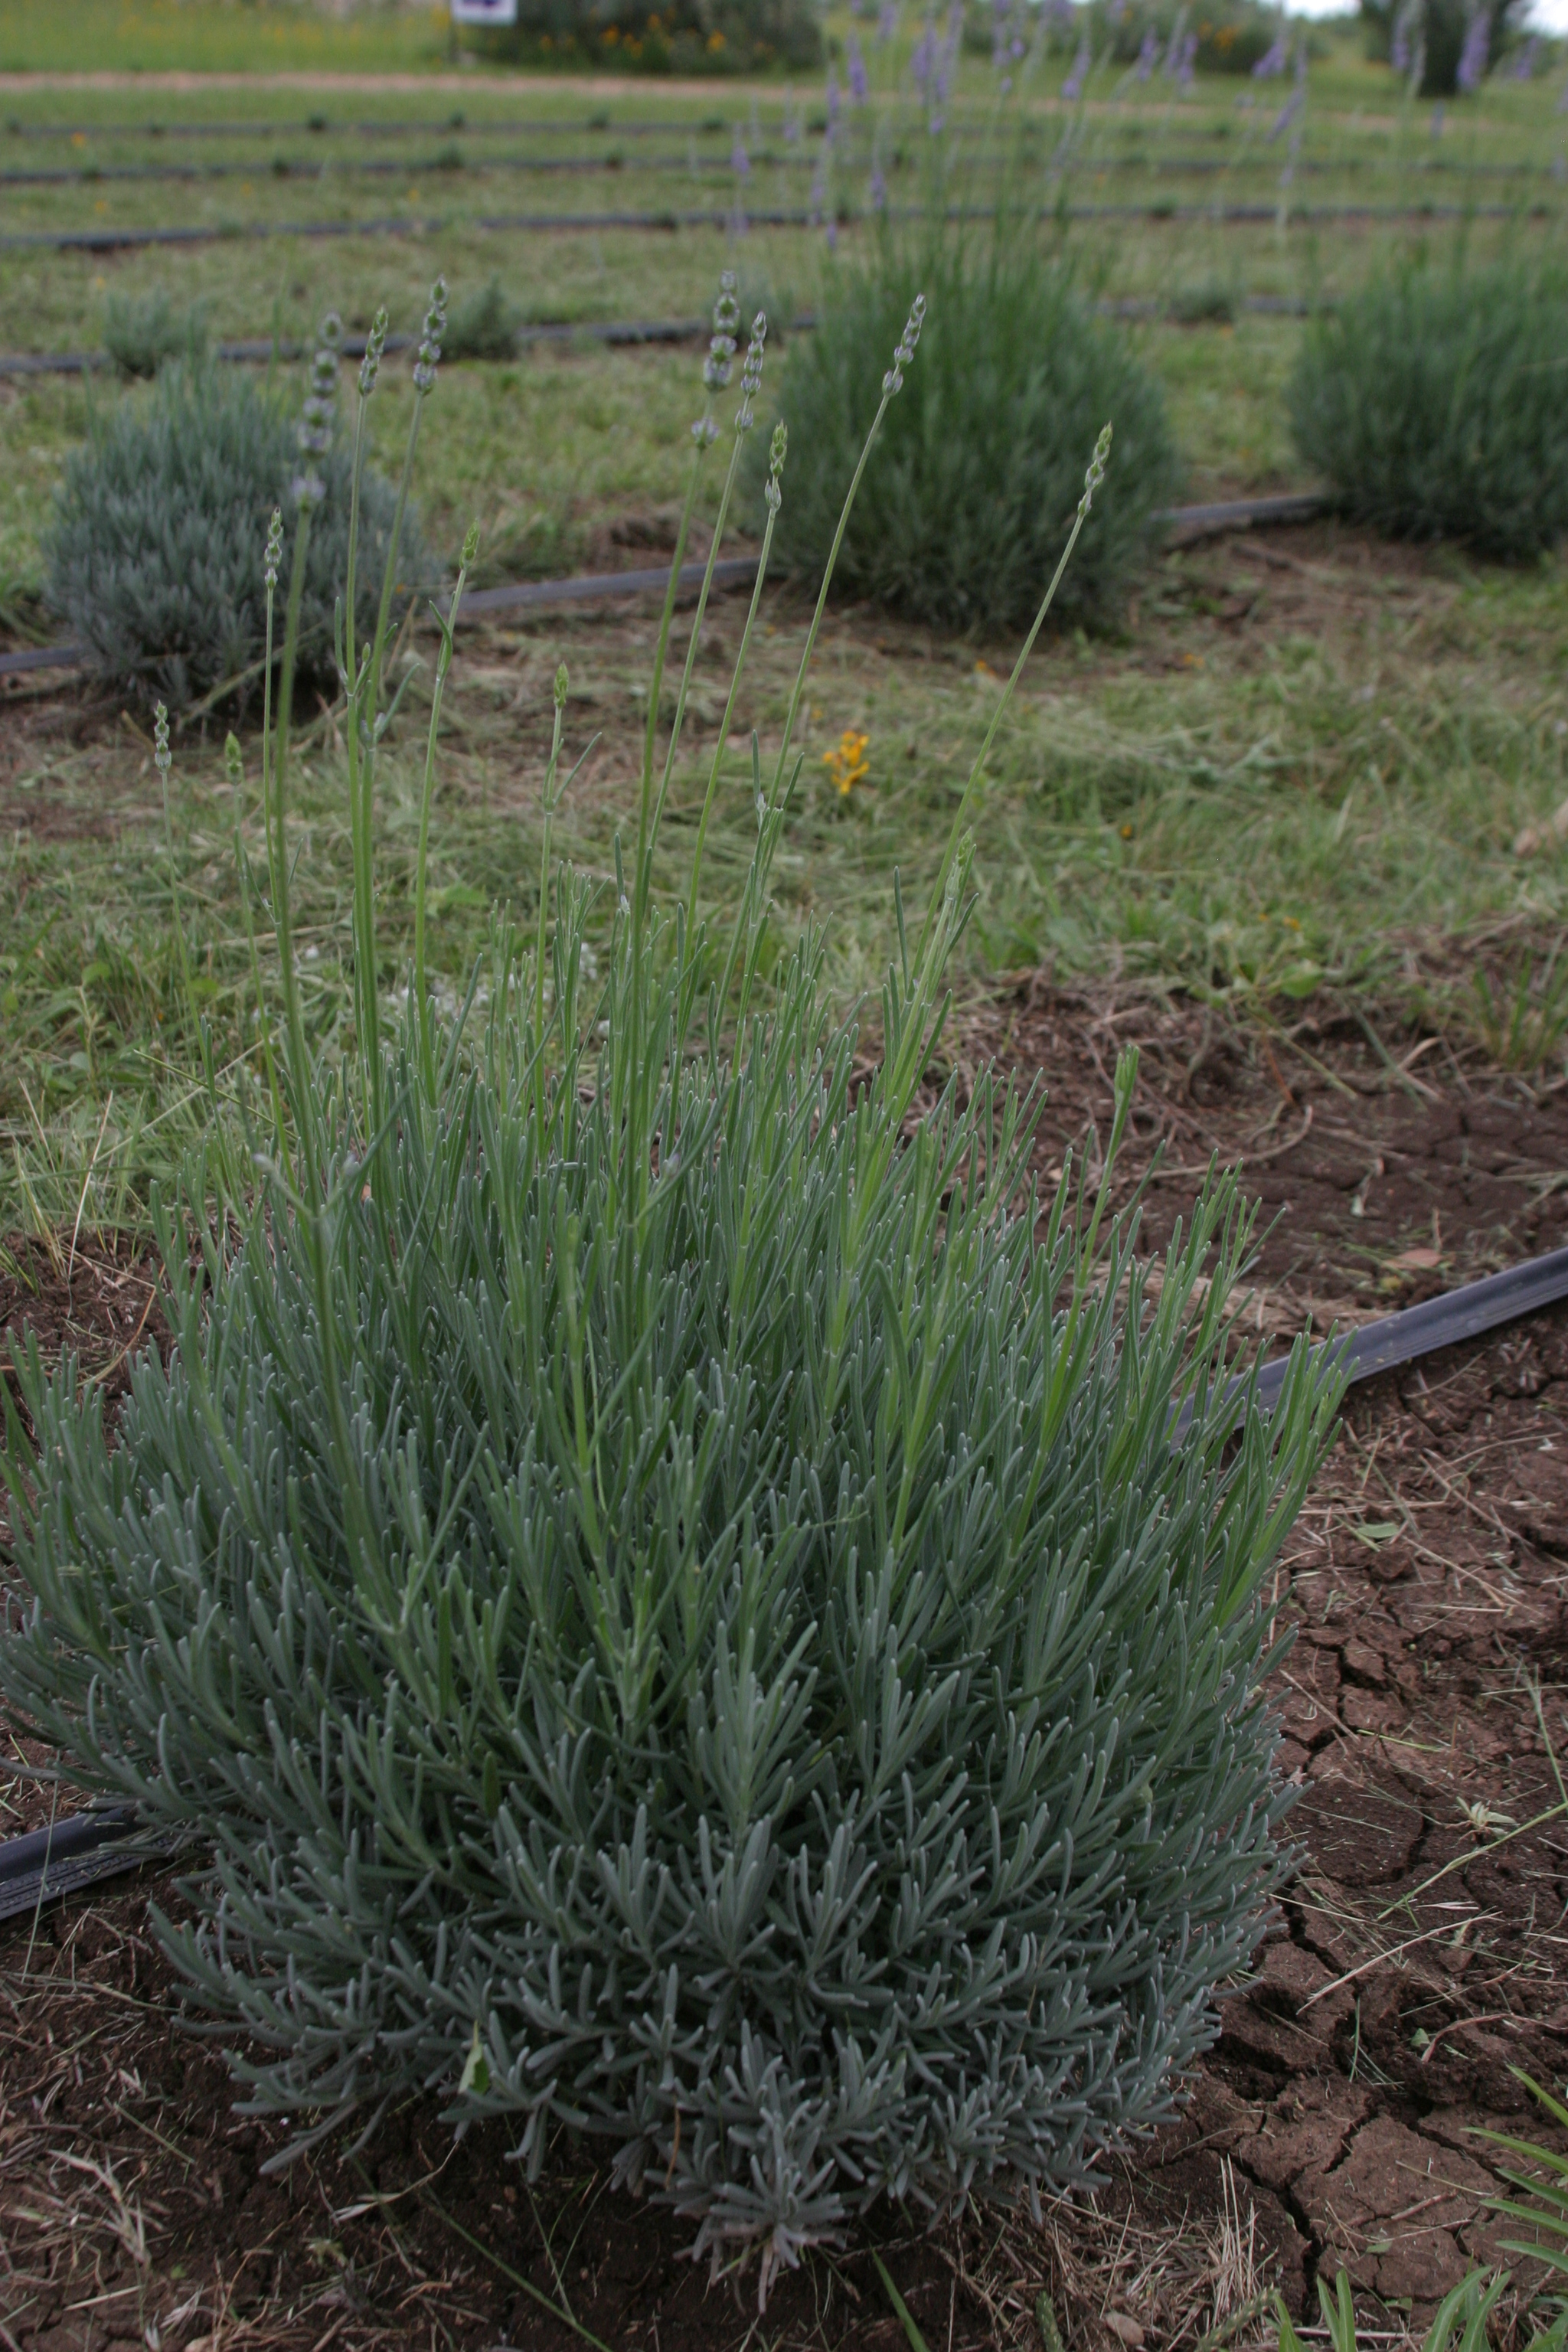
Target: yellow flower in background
point(848, 763)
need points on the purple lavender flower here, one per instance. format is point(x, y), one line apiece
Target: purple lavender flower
point(944, 60)
point(922, 65)
point(1275, 58)
point(1473, 56)
point(878, 191)
point(1186, 60)
point(1524, 65)
point(1147, 56)
point(1072, 88)
point(740, 162)
point(860, 87)
point(1287, 114)
point(886, 22)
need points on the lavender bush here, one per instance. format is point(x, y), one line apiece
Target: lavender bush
point(668, 1598)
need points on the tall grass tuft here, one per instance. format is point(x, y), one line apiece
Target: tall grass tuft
point(154, 554)
point(981, 464)
point(1433, 405)
point(663, 1589)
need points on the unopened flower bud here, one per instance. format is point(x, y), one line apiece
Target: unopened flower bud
point(160, 759)
point(704, 432)
point(233, 761)
point(471, 544)
point(1096, 473)
point(560, 686)
point(727, 309)
point(428, 359)
point(274, 547)
point(374, 345)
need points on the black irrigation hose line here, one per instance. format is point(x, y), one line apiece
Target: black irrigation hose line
point(314, 167)
point(88, 1847)
point(1445, 1321)
point(617, 331)
point(710, 126)
point(90, 175)
point(614, 331)
point(1186, 524)
point(125, 240)
point(77, 1851)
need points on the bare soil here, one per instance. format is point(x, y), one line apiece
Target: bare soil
point(1413, 1966)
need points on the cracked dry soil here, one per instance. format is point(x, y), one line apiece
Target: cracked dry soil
point(1413, 1966)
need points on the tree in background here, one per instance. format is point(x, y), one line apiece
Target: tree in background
point(1446, 46)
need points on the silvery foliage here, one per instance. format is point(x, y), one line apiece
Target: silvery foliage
point(158, 543)
point(675, 1608)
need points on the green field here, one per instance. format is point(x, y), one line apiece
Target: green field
point(1297, 773)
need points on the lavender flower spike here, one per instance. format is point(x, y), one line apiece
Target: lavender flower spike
point(1096, 474)
point(780, 445)
point(751, 373)
point(161, 757)
point(1473, 56)
point(894, 379)
point(428, 359)
point(374, 346)
point(314, 431)
point(274, 548)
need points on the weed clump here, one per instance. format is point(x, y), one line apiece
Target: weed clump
point(142, 332)
point(154, 551)
point(1431, 402)
point(982, 461)
point(674, 1610)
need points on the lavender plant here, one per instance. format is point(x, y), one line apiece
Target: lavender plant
point(981, 467)
point(154, 553)
point(667, 1597)
point(1430, 405)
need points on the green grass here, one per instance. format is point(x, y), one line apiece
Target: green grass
point(1321, 794)
point(1264, 817)
point(209, 37)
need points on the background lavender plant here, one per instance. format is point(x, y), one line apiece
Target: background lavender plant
point(155, 552)
point(978, 472)
point(1432, 404)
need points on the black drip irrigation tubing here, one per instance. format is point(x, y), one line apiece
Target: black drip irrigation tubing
point(108, 1841)
point(1184, 524)
point(89, 175)
point(125, 240)
point(428, 126)
point(77, 1851)
point(629, 331)
point(622, 331)
point(317, 167)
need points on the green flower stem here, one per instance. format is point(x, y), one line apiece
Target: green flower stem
point(1003, 699)
point(442, 664)
point(724, 725)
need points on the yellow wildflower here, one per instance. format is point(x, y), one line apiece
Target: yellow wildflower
point(848, 763)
